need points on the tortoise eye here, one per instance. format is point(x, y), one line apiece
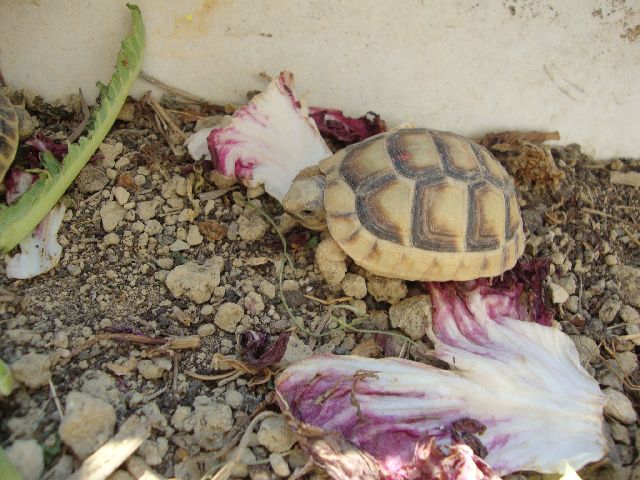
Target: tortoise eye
point(307, 211)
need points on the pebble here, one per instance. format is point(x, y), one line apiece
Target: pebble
point(252, 228)
point(206, 329)
point(208, 309)
point(111, 239)
point(91, 179)
point(28, 458)
point(152, 227)
point(121, 475)
point(331, 262)
point(179, 246)
point(147, 210)
point(61, 339)
point(629, 279)
point(32, 370)
point(99, 384)
point(153, 369)
point(619, 407)
point(253, 303)
point(88, 423)
point(181, 419)
point(628, 314)
point(611, 260)
point(627, 362)
point(296, 350)
point(164, 262)
point(211, 422)
point(241, 469)
point(268, 289)
point(568, 282)
point(195, 281)
point(587, 349)
point(383, 289)
point(354, 286)
point(609, 310)
point(274, 434)
point(412, 316)
point(228, 316)
point(111, 214)
point(121, 195)
point(187, 215)
point(194, 237)
point(233, 398)
point(558, 293)
point(279, 465)
point(154, 452)
point(110, 152)
point(572, 304)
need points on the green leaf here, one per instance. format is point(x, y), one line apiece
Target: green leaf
point(8, 470)
point(7, 383)
point(20, 218)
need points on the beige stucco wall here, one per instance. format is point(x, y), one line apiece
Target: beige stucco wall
point(464, 65)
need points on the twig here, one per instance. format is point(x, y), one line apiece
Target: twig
point(56, 400)
point(174, 90)
point(166, 137)
point(329, 301)
point(225, 471)
point(634, 238)
point(608, 215)
point(75, 134)
point(166, 118)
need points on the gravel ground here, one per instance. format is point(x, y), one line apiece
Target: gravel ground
point(157, 246)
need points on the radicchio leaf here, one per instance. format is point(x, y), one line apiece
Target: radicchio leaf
point(255, 348)
point(515, 388)
point(268, 141)
point(341, 130)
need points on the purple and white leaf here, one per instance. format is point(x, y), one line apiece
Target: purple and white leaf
point(515, 393)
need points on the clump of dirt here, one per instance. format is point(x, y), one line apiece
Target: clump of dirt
point(166, 264)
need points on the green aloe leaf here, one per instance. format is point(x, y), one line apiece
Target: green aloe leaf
point(20, 218)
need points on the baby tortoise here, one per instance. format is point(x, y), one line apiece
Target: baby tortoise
point(414, 204)
point(8, 134)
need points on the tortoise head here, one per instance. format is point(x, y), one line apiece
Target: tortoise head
point(305, 201)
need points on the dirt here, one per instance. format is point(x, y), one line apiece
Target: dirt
point(108, 294)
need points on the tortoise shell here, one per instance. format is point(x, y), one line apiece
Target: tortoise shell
point(422, 204)
point(8, 134)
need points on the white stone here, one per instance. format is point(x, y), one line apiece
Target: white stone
point(28, 458)
point(195, 281)
point(88, 423)
point(111, 214)
point(275, 435)
point(121, 195)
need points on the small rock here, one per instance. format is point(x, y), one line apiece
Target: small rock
point(121, 474)
point(121, 195)
point(253, 303)
point(208, 309)
point(628, 314)
point(255, 192)
point(383, 289)
point(354, 286)
point(587, 349)
point(228, 316)
point(28, 458)
point(274, 434)
point(296, 350)
point(154, 452)
point(111, 215)
point(61, 339)
point(572, 304)
point(187, 215)
point(181, 419)
point(412, 316)
point(331, 262)
point(241, 469)
point(194, 237)
point(633, 330)
point(568, 282)
point(32, 369)
point(211, 422)
point(152, 227)
point(252, 228)
point(147, 210)
point(279, 465)
point(206, 329)
point(151, 370)
point(629, 279)
point(99, 384)
point(611, 260)
point(195, 281)
point(619, 407)
point(233, 398)
point(111, 239)
point(558, 293)
point(87, 424)
point(609, 310)
point(268, 289)
point(62, 469)
point(91, 179)
point(110, 152)
point(620, 433)
point(179, 246)
point(164, 262)
point(627, 362)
